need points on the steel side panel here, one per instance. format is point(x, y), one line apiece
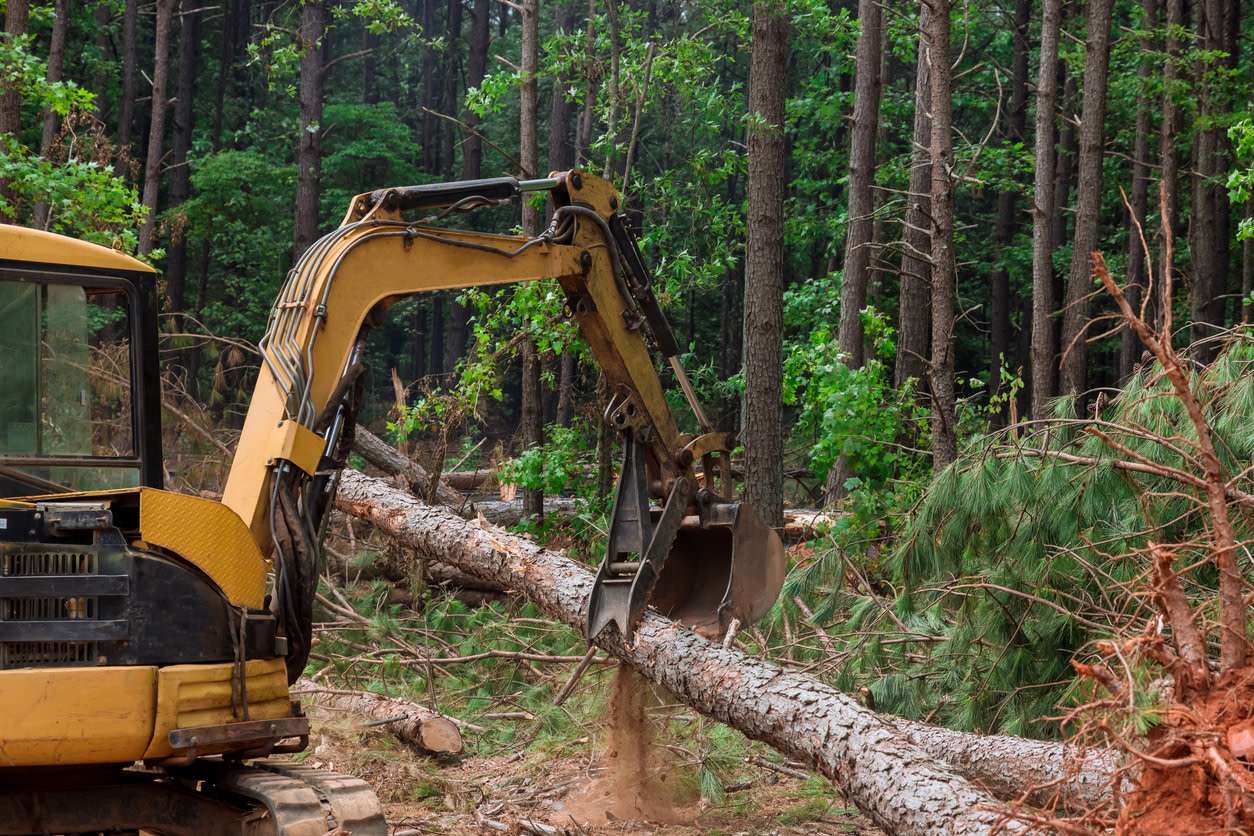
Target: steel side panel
point(50, 717)
point(211, 536)
point(190, 696)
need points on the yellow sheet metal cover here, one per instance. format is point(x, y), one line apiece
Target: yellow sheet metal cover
point(210, 535)
point(33, 245)
point(76, 715)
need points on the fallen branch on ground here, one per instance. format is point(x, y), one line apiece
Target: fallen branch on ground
point(412, 723)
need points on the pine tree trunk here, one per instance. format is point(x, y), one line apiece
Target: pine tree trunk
point(180, 184)
point(1130, 346)
point(453, 20)
point(130, 68)
point(866, 115)
point(529, 153)
point(944, 269)
point(763, 431)
point(156, 128)
point(56, 67)
point(1044, 349)
point(1088, 212)
point(999, 331)
point(856, 276)
point(891, 769)
point(476, 69)
point(914, 316)
point(313, 27)
point(16, 21)
point(1168, 152)
point(1209, 225)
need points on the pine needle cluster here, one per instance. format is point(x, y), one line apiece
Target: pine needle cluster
point(1026, 550)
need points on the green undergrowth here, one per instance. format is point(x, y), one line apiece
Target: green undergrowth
point(1026, 551)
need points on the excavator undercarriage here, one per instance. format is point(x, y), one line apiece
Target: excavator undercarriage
point(213, 798)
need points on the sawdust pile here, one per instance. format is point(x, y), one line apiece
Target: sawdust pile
point(640, 782)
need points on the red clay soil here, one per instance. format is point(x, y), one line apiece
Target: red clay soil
point(1193, 799)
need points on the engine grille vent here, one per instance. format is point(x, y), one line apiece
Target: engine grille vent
point(47, 609)
point(47, 654)
point(51, 563)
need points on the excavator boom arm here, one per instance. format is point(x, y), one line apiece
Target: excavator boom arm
point(286, 463)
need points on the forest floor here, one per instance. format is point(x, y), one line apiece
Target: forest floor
point(576, 788)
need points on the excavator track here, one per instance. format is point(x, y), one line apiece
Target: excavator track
point(210, 798)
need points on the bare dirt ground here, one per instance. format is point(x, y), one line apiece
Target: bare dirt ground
point(625, 785)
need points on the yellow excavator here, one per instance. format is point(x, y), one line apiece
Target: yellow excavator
point(148, 639)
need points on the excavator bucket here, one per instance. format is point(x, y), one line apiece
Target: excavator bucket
point(723, 565)
point(704, 570)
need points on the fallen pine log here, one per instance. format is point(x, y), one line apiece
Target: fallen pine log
point(884, 767)
point(417, 725)
point(392, 462)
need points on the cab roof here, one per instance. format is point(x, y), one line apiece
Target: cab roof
point(36, 246)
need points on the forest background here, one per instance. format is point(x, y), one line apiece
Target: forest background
point(871, 223)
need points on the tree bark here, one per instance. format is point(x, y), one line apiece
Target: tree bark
point(56, 71)
point(1088, 213)
point(763, 431)
point(856, 275)
point(412, 723)
point(999, 330)
point(1209, 226)
point(16, 20)
point(1130, 347)
point(914, 313)
point(180, 184)
point(388, 459)
point(1169, 154)
point(944, 269)
point(130, 68)
point(529, 154)
point(1044, 348)
point(156, 128)
point(866, 116)
point(888, 768)
point(313, 28)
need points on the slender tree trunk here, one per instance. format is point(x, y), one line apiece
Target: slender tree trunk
point(763, 431)
point(1044, 349)
point(130, 69)
point(944, 270)
point(451, 74)
point(370, 42)
point(476, 69)
point(180, 172)
point(529, 152)
point(313, 28)
point(1209, 225)
point(1130, 347)
point(1168, 152)
point(156, 129)
point(429, 92)
point(999, 331)
point(583, 129)
point(914, 314)
point(16, 20)
point(866, 116)
point(561, 158)
point(472, 166)
point(56, 67)
point(1088, 214)
point(856, 276)
point(893, 770)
